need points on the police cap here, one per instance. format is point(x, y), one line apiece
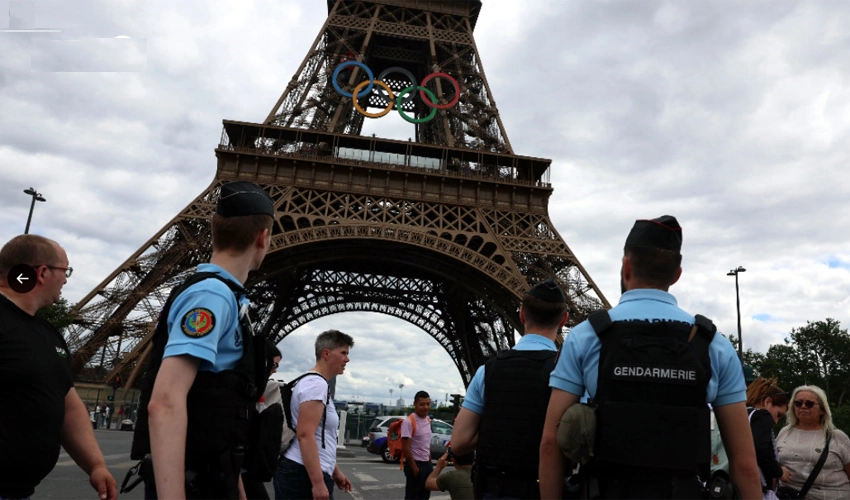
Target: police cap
point(548, 291)
point(243, 198)
point(663, 232)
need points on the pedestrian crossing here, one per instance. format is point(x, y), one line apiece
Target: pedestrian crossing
point(115, 461)
point(366, 485)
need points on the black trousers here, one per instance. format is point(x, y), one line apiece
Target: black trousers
point(254, 490)
point(414, 487)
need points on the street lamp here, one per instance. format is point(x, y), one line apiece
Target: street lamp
point(735, 272)
point(35, 197)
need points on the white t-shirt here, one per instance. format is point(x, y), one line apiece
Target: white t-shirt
point(315, 388)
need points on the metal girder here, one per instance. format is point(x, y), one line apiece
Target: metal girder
point(404, 34)
point(445, 232)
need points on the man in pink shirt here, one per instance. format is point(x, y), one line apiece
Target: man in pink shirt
point(416, 448)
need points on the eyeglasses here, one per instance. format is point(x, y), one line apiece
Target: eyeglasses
point(68, 270)
point(276, 365)
point(807, 404)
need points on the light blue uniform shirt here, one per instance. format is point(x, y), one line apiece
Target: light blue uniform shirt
point(578, 365)
point(204, 323)
point(474, 400)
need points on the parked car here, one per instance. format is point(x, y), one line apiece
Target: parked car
point(441, 434)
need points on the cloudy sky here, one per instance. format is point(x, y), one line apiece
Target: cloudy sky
point(732, 116)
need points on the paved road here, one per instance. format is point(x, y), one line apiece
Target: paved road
point(371, 477)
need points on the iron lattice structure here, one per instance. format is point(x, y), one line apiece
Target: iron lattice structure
point(445, 232)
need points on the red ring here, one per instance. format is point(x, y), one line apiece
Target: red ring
point(440, 106)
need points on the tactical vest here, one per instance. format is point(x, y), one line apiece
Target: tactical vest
point(516, 396)
point(218, 404)
point(652, 416)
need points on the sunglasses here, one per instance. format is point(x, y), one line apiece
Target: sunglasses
point(807, 404)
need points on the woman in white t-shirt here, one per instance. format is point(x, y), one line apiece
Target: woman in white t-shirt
point(308, 467)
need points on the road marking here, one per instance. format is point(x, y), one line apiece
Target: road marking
point(66, 463)
point(382, 487)
point(365, 477)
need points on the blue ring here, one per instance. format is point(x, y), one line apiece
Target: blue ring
point(368, 71)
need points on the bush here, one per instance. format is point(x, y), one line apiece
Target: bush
point(841, 418)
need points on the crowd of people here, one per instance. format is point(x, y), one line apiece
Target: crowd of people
point(582, 421)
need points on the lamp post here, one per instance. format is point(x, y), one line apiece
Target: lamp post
point(35, 197)
point(735, 272)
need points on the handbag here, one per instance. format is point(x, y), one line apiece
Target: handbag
point(789, 493)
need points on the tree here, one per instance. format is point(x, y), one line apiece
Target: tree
point(824, 350)
point(782, 362)
point(815, 354)
point(751, 357)
point(58, 314)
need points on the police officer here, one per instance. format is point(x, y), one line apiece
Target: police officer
point(505, 405)
point(208, 377)
point(650, 368)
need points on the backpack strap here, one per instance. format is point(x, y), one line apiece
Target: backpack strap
point(412, 433)
point(706, 329)
point(288, 408)
point(706, 325)
point(600, 321)
point(701, 337)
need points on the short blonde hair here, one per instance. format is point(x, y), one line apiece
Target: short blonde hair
point(826, 418)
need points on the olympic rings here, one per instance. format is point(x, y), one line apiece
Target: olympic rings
point(359, 65)
point(416, 120)
point(408, 74)
point(400, 100)
point(382, 113)
point(432, 104)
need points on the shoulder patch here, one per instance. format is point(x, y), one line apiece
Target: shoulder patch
point(198, 322)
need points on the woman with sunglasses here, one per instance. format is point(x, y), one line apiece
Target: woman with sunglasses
point(767, 403)
point(802, 441)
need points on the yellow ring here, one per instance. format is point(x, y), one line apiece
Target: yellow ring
point(363, 111)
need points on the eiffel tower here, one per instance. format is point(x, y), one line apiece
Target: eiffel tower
point(445, 231)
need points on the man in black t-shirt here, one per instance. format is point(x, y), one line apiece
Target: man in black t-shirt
point(39, 407)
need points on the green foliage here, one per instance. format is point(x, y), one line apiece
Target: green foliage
point(841, 417)
point(815, 354)
point(751, 357)
point(58, 314)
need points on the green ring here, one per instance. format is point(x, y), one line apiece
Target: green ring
point(415, 120)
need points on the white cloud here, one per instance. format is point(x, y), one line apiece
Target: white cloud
point(731, 116)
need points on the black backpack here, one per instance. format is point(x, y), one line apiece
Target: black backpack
point(266, 434)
